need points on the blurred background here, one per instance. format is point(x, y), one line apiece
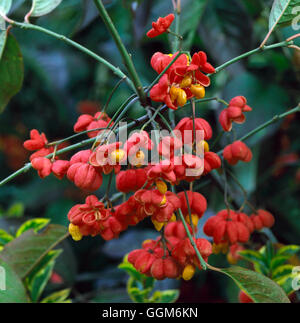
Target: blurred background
point(61, 83)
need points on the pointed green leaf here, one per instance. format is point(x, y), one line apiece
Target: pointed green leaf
point(57, 297)
point(282, 12)
point(40, 281)
point(11, 288)
point(35, 224)
point(11, 71)
point(282, 271)
point(5, 237)
point(16, 210)
point(256, 258)
point(43, 7)
point(288, 250)
point(131, 271)
point(3, 35)
point(260, 288)
point(278, 261)
point(156, 297)
point(50, 257)
point(26, 251)
point(289, 283)
point(169, 296)
point(139, 296)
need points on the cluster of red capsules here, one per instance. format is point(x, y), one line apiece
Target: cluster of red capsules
point(172, 254)
point(231, 229)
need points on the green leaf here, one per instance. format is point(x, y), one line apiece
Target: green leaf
point(11, 289)
point(259, 288)
point(189, 20)
point(40, 281)
point(131, 271)
point(278, 261)
point(57, 297)
point(136, 275)
point(257, 258)
point(2, 28)
point(5, 237)
point(288, 250)
point(5, 6)
point(282, 271)
point(26, 251)
point(16, 210)
point(156, 297)
point(289, 283)
point(169, 296)
point(3, 35)
point(35, 224)
point(11, 71)
point(268, 251)
point(50, 257)
point(139, 296)
point(43, 7)
point(282, 12)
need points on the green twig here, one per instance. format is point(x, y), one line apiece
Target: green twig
point(116, 70)
point(111, 94)
point(80, 144)
point(163, 72)
point(190, 212)
point(202, 262)
point(126, 57)
point(251, 52)
point(275, 119)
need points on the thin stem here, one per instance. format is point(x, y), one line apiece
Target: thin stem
point(126, 57)
point(154, 126)
point(165, 121)
point(275, 119)
point(106, 196)
point(80, 144)
point(275, 24)
point(293, 37)
point(202, 262)
point(194, 127)
point(20, 171)
point(116, 70)
point(238, 183)
point(190, 212)
point(111, 95)
point(176, 47)
point(294, 47)
point(180, 38)
point(163, 72)
point(216, 179)
point(251, 52)
point(122, 109)
point(225, 189)
point(220, 135)
point(232, 175)
point(151, 119)
point(222, 101)
point(57, 142)
point(177, 41)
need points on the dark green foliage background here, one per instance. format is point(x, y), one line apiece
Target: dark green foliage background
point(57, 78)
